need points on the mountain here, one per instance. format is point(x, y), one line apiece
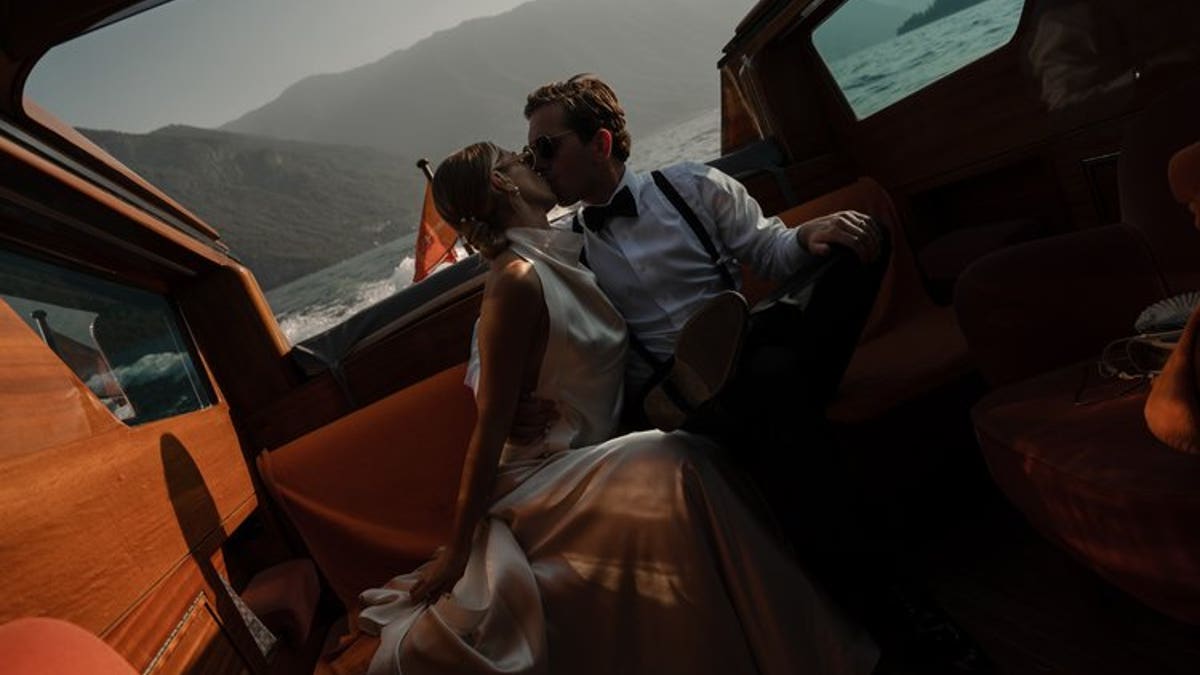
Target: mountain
point(469, 83)
point(285, 208)
point(856, 26)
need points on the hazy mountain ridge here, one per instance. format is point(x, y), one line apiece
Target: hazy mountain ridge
point(285, 208)
point(469, 83)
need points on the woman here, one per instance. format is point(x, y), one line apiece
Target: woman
point(579, 554)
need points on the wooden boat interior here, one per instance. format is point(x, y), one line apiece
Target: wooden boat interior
point(280, 480)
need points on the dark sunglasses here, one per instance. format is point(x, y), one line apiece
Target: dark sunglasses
point(546, 146)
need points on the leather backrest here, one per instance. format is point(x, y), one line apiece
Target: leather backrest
point(373, 493)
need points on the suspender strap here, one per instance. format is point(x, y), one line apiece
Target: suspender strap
point(693, 222)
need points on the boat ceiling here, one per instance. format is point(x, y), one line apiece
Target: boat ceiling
point(29, 29)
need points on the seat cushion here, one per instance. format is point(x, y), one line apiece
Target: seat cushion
point(36, 646)
point(285, 597)
point(1092, 478)
point(908, 346)
point(920, 353)
point(901, 289)
point(945, 258)
point(1044, 304)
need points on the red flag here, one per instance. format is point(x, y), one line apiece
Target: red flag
point(435, 241)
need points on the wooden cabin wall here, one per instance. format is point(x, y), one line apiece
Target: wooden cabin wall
point(120, 529)
point(99, 515)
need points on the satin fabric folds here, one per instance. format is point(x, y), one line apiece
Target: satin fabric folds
point(629, 555)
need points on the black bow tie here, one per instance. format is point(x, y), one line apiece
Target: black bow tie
point(622, 204)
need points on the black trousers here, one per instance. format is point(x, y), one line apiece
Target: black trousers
point(772, 417)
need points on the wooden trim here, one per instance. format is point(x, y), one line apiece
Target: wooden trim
point(126, 177)
point(26, 164)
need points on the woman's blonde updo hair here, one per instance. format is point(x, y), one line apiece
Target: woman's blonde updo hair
point(463, 196)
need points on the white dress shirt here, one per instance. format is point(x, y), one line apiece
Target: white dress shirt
point(656, 271)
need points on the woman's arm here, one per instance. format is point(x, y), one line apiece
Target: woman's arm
point(508, 319)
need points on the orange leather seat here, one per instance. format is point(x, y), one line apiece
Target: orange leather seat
point(1093, 478)
point(285, 598)
point(909, 345)
point(39, 646)
point(373, 493)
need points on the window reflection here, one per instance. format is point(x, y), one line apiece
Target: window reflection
point(124, 344)
point(1087, 50)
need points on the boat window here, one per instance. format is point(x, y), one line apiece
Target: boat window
point(881, 51)
point(126, 344)
point(294, 128)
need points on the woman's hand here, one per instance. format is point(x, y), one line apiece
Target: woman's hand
point(439, 576)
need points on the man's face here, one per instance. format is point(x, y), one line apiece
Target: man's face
point(559, 154)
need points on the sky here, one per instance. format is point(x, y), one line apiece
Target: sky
point(247, 50)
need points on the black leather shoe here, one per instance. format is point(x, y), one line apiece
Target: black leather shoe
point(706, 355)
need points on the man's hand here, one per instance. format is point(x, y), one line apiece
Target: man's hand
point(440, 575)
point(854, 230)
point(534, 417)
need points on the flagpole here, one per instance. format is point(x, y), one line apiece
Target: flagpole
point(423, 165)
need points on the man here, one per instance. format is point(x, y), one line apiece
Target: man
point(651, 263)
point(668, 246)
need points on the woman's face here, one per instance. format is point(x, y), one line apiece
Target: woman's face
point(518, 167)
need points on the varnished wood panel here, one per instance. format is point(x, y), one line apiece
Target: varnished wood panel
point(179, 627)
point(200, 647)
point(91, 524)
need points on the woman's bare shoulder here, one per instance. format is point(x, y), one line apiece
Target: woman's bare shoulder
point(512, 278)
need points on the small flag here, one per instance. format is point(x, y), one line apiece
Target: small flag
point(435, 240)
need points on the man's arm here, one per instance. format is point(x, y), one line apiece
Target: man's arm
point(771, 248)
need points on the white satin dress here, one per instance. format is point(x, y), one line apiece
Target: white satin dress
point(630, 555)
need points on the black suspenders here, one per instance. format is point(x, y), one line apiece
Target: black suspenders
point(693, 221)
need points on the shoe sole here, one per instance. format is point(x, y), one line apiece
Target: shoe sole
point(705, 359)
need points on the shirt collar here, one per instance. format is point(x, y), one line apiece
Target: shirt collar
point(630, 179)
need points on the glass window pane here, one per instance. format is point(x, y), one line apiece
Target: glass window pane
point(880, 51)
point(125, 344)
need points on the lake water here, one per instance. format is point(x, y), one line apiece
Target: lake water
point(871, 80)
point(882, 74)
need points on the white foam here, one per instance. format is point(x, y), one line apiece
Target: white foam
point(313, 320)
